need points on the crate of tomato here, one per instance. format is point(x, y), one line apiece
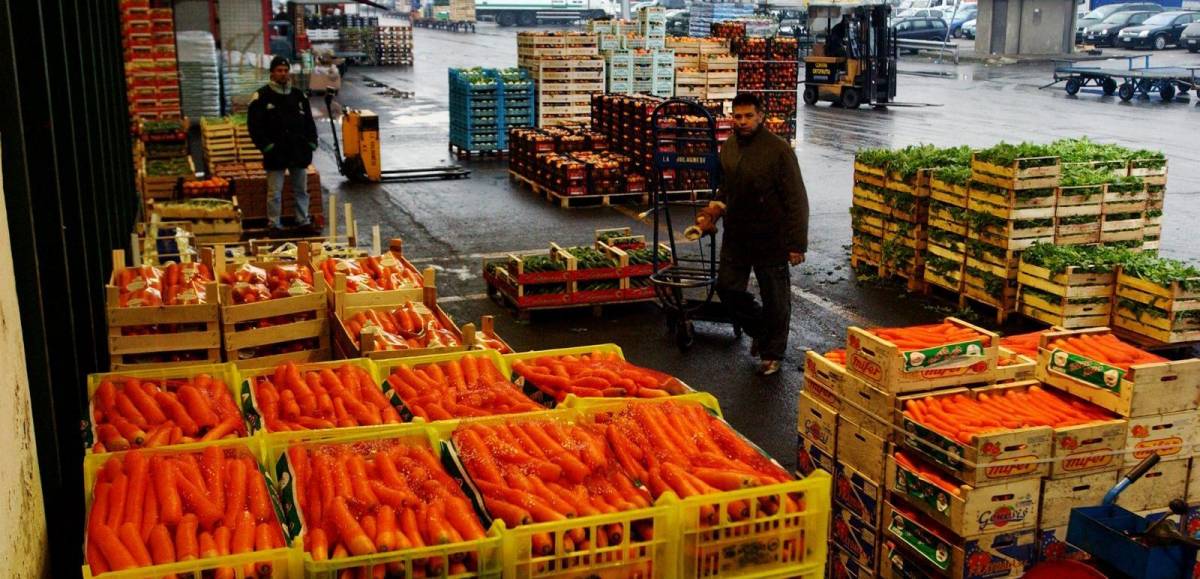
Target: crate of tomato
point(161, 315)
point(272, 311)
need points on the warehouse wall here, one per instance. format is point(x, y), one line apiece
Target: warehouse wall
point(69, 200)
point(1025, 27)
point(192, 15)
point(23, 551)
point(242, 25)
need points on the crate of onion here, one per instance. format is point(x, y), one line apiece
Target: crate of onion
point(161, 315)
point(272, 311)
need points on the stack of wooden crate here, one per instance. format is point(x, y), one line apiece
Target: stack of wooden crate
point(1164, 313)
point(218, 138)
point(246, 151)
point(889, 218)
point(567, 70)
point(704, 68)
point(946, 250)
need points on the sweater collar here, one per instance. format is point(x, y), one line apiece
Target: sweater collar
point(281, 89)
point(750, 139)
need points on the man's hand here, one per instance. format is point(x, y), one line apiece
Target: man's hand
point(795, 258)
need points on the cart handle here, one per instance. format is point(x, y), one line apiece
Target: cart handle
point(1135, 474)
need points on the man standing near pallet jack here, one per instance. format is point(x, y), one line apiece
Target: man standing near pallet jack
point(281, 125)
point(765, 207)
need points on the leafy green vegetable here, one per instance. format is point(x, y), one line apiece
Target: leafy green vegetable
point(1090, 258)
point(1078, 219)
point(940, 265)
point(1162, 271)
point(1127, 184)
point(1081, 175)
point(1005, 154)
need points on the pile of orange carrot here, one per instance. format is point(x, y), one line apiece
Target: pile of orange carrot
point(173, 285)
point(928, 474)
point(403, 328)
point(682, 448)
point(962, 418)
point(367, 274)
point(377, 496)
point(291, 399)
point(541, 471)
point(837, 356)
point(131, 412)
point(163, 508)
point(598, 374)
point(1024, 344)
point(1105, 348)
point(929, 336)
point(469, 386)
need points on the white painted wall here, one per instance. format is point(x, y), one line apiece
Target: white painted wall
point(23, 540)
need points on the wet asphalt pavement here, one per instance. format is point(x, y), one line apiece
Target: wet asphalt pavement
point(453, 225)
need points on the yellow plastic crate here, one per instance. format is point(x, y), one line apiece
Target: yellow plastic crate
point(285, 561)
point(254, 415)
point(654, 558)
point(771, 542)
point(384, 369)
point(486, 552)
point(227, 372)
point(547, 399)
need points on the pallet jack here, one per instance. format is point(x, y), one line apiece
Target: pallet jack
point(363, 162)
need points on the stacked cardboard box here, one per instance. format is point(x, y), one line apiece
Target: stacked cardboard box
point(567, 70)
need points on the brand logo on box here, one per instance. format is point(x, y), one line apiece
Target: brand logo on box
point(1002, 516)
point(1084, 461)
point(945, 372)
point(1163, 446)
point(815, 430)
point(866, 367)
point(1011, 467)
point(820, 392)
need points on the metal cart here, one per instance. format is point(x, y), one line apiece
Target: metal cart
point(685, 141)
point(1126, 80)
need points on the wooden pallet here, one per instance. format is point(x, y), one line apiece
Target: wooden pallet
point(577, 201)
point(462, 153)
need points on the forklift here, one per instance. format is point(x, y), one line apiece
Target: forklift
point(363, 162)
point(854, 63)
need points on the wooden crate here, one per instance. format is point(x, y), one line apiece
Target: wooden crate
point(916, 185)
point(1171, 436)
point(1146, 389)
point(365, 345)
point(1014, 235)
point(1080, 200)
point(1164, 314)
point(948, 193)
point(1116, 227)
point(1077, 292)
point(1080, 449)
point(947, 218)
point(1148, 172)
point(203, 334)
point(1012, 204)
point(818, 422)
point(872, 409)
point(1121, 198)
point(990, 458)
point(239, 345)
point(1031, 173)
point(869, 197)
point(1013, 367)
point(915, 546)
point(862, 449)
point(823, 378)
point(1011, 506)
point(870, 174)
point(340, 298)
point(892, 369)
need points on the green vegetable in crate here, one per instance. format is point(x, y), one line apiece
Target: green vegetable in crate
point(1083, 175)
point(646, 255)
point(1084, 150)
point(1162, 271)
point(1148, 159)
point(538, 264)
point(1005, 154)
point(591, 258)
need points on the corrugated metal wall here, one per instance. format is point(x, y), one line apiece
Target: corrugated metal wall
point(69, 195)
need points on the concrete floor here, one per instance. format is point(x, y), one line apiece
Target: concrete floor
point(453, 225)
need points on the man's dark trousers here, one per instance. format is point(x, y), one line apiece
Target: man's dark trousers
point(768, 323)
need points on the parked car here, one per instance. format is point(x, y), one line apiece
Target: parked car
point(1158, 31)
point(1098, 15)
point(922, 13)
point(966, 13)
point(920, 29)
point(1190, 39)
point(1105, 33)
point(968, 29)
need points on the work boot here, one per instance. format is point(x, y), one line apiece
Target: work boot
point(769, 367)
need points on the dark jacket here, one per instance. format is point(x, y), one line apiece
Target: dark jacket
point(766, 206)
point(282, 127)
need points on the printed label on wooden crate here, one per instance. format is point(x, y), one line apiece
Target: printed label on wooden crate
point(844, 565)
point(1087, 370)
point(1005, 554)
point(823, 379)
point(810, 457)
point(1171, 436)
point(818, 422)
point(1053, 546)
point(966, 510)
point(858, 493)
point(855, 536)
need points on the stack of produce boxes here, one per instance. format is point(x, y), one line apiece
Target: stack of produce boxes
point(151, 69)
point(218, 139)
point(1157, 299)
point(571, 162)
point(946, 251)
point(1154, 400)
point(770, 68)
point(476, 110)
point(654, 72)
point(396, 43)
point(705, 14)
point(1051, 290)
point(165, 161)
point(567, 69)
point(704, 68)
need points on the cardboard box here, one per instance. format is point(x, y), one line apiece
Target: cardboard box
point(1004, 554)
point(1061, 495)
point(844, 565)
point(819, 423)
point(1173, 436)
point(1053, 546)
point(1156, 488)
point(857, 538)
point(892, 369)
point(861, 449)
point(972, 511)
point(991, 458)
point(810, 457)
point(872, 409)
point(1145, 390)
point(858, 493)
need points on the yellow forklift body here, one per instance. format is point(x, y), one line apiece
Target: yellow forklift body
point(360, 134)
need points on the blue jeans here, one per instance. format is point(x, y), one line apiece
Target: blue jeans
point(299, 176)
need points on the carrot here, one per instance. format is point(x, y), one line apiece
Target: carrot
point(118, 495)
point(318, 544)
point(138, 468)
point(203, 507)
point(264, 540)
point(143, 402)
point(116, 554)
point(178, 413)
point(162, 550)
point(186, 547)
point(132, 540)
point(349, 530)
point(149, 511)
point(235, 491)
